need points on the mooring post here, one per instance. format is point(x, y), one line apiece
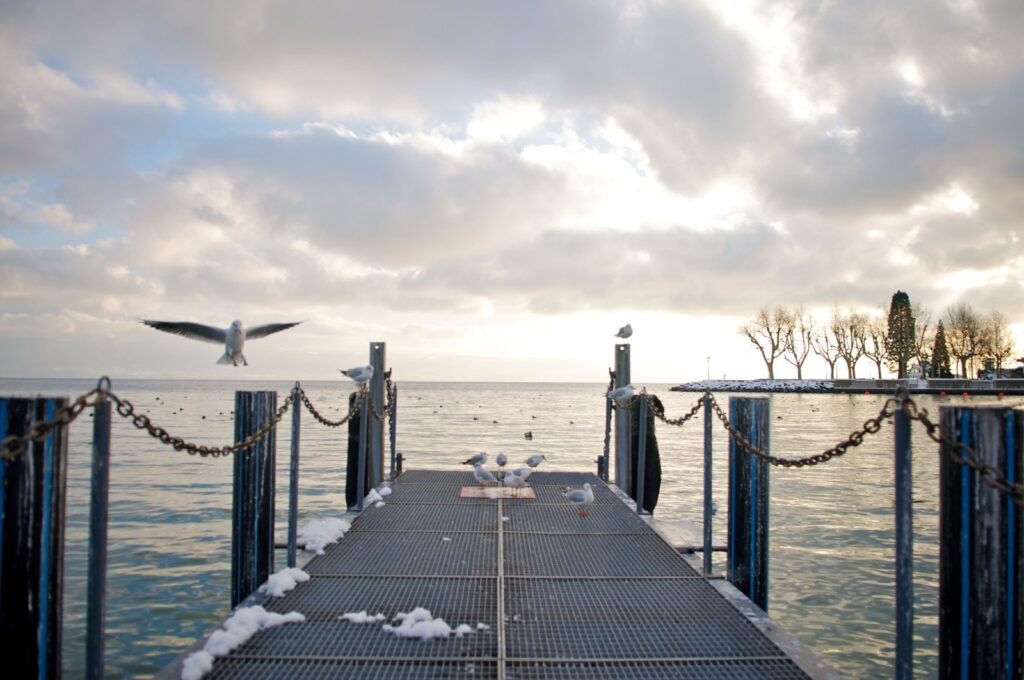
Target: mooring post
point(602, 464)
point(393, 427)
point(623, 460)
point(32, 501)
point(376, 443)
point(99, 503)
point(748, 500)
point(641, 457)
point(252, 516)
point(293, 478)
point(981, 559)
point(904, 547)
point(361, 458)
point(707, 485)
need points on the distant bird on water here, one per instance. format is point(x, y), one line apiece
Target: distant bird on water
point(476, 459)
point(233, 338)
point(625, 332)
point(534, 461)
point(580, 498)
point(359, 374)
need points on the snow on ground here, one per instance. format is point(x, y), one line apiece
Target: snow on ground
point(316, 534)
point(362, 617)
point(243, 624)
point(280, 583)
point(757, 386)
point(420, 623)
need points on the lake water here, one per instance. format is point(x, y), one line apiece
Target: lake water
point(832, 536)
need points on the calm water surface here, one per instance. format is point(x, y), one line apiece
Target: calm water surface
point(832, 543)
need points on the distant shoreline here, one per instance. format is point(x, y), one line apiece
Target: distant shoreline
point(914, 386)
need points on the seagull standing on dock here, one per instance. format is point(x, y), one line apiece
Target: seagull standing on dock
point(534, 461)
point(476, 459)
point(625, 332)
point(514, 482)
point(523, 473)
point(233, 338)
point(359, 375)
point(502, 459)
point(580, 498)
point(483, 476)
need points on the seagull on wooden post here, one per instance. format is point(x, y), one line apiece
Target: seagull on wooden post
point(233, 338)
point(625, 332)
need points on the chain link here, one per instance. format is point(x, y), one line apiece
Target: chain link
point(660, 413)
point(335, 423)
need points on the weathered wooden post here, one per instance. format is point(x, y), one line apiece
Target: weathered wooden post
point(708, 548)
point(623, 437)
point(748, 500)
point(981, 556)
point(99, 504)
point(252, 517)
point(32, 501)
point(293, 478)
point(375, 452)
point(904, 547)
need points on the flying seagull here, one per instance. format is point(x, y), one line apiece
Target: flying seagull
point(625, 332)
point(233, 338)
point(580, 498)
point(359, 374)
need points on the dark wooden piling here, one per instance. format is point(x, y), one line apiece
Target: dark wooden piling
point(32, 499)
point(748, 500)
point(904, 547)
point(252, 518)
point(981, 557)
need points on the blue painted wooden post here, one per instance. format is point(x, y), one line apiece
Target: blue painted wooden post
point(904, 547)
point(99, 503)
point(32, 500)
point(748, 500)
point(252, 518)
point(981, 559)
point(623, 436)
point(641, 464)
point(293, 477)
point(375, 450)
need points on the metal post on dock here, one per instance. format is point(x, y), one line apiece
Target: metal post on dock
point(707, 485)
point(981, 557)
point(748, 500)
point(393, 427)
point(376, 443)
point(904, 547)
point(293, 478)
point(99, 504)
point(32, 507)
point(622, 421)
point(252, 516)
point(641, 463)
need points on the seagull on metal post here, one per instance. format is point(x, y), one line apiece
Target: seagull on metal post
point(359, 375)
point(233, 338)
point(625, 332)
point(622, 395)
point(580, 498)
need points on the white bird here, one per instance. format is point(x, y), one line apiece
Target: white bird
point(501, 460)
point(580, 498)
point(622, 394)
point(483, 476)
point(514, 481)
point(359, 374)
point(534, 461)
point(233, 338)
point(476, 459)
point(522, 473)
point(625, 332)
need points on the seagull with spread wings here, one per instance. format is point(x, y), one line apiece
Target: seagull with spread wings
point(233, 338)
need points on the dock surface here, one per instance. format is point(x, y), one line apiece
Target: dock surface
point(562, 596)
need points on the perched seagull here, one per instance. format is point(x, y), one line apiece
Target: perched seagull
point(359, 374)
point(622, 394)
point(580, 498)
point(514, 482)
point(534, 461)
point(233, 338)
point(476, 459)
point(523, 473)
point(501, 460)
point(483, 476)
point(625, 332)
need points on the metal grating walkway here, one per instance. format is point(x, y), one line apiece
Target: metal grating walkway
point(562, 596)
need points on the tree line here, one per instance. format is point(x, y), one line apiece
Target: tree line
point(961, 340)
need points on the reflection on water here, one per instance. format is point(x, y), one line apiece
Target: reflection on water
point(832, 542)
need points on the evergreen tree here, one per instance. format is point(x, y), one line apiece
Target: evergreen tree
point(899, 342)
point(940, 354)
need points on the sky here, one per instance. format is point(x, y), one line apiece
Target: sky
point(494, 188)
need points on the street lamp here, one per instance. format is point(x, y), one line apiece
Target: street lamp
point(709, 368)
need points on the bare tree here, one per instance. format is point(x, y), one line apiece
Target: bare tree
point(922, 341)
point(798, 339)
point(767, 331)
point(997, 339)
point(963, 335)
point(825, 346)
point(873, 342)
point(848, 330)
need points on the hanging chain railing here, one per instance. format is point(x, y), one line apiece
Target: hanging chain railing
point(324, 420)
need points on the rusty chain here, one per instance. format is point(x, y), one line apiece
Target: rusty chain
point(335, 423)
point(660, 413)
point(381, 417)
